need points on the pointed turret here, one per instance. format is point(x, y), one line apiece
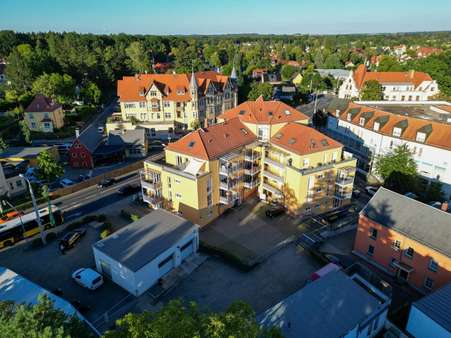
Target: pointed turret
point(193, 81)
point(233, 75)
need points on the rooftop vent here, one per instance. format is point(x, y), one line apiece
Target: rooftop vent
point(270, 113)
point(287, 112)
point(242, 112)
point(324, 142)
point(292, 140)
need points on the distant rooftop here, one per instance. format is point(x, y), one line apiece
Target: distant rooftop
point(423, 111)
point(23, 152)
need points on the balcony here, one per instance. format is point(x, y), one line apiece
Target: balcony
point(252, 171)
point(273, 176)
point(343, 195)
point(153, 201)
point(272, 189)
point(273, 162)
point(248, 156)
point(150, 180)
point(251, 184)
point(344, 181)
point(224, 186)
point(224, 200)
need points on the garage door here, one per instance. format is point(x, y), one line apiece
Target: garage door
point(166, 265)
point(187, 249)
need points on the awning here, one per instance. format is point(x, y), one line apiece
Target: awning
point(193, 166)
point(403, 266)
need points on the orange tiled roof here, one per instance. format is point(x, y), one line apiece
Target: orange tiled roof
point(128, 89)
point(264, 112)
point(214, 141)
point(303, 140)
point(439, 134)
point(426, 51)
point(361, 75)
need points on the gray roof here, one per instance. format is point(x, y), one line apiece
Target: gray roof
point(328, 307)
point(337, 104)
point(437, 306)
point(418, 221)
point(335, 73)
point(130, 137)
point(23, 152)
point(140, 242)
point(90, 137)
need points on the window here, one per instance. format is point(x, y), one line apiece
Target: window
point(421, 137)
point(166, 104)
point(306, 162)
point(418, 97)
point(428, 283)
point(362, 121)
point(392, 262)
point(33, 125)
point(153, 93)
point(370, 251)
point(348, 117)
point(178, 195)
point(376, 126)
point(177, 181)
point(397, 132)
point(164, 261)
point(433, 265)
point(167, 115)
point(19, 183)
point(396, 245)
point(153, 132)
point(373, 233)
point(409, 252)
point(142, 104)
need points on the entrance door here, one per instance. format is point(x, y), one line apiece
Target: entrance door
point(403, 275)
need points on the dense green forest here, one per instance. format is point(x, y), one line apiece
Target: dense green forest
point(55, 63)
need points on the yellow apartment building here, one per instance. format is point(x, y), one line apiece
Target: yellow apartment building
point(262, 147)
point(44, 115)
point(166, 104)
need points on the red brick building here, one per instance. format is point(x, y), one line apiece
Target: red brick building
point(81, 153)
point(406, 238)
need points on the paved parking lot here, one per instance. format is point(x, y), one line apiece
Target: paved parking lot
point(248, 235)
point(52, 270)
point(215, 284)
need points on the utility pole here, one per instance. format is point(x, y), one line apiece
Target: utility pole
point(35, 207)
point(5, 202)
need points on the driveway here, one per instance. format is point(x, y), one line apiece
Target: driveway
point(247, 235)
point(215, 284)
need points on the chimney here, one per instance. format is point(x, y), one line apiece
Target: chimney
point(444, 206)
point(206, 123)
point(77, 133)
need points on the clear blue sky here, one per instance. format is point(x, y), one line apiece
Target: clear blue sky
point(226, 16)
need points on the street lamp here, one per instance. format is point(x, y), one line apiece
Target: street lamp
point(35, 207)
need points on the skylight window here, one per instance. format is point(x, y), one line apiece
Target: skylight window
point(244, 131)
point(324, 142)
point(292, 140)
point(278, 136)
point(287, 112)
point(242, 112)
point(270, 113)
point(191, 144)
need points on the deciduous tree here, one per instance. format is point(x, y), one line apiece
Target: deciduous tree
point(48, 167)
point(372, 91)
point(260, 89)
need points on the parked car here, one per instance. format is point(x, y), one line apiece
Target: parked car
point(128, 189)
point(82, 178)
point(71, 239)
point(156, 145)
point(106, 182)
point(66, 182)
point(88, 278)
point(275, 211)
point(371, 190)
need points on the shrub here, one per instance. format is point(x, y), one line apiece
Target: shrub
point(105, 229)
point(134, 217)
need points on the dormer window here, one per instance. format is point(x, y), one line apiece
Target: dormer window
point(421, 137)
point(153, 93)
point(362, 121)
point(397, 132)
point(180, 91)
point(376, 126)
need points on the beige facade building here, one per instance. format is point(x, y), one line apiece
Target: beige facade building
point(44, 115)
point(166, 104)
point(260, 147)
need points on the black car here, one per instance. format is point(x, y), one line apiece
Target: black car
point(71, 239)
point(128, 189)
point(106, 182)
point(275, 211)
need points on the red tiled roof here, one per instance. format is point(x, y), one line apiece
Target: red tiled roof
point(361, 75)
point(264, 112)
point(128, 89)
point(214, 141)
point(303, 140)
point(426, 51)
point(42, 104)
point(439, 136)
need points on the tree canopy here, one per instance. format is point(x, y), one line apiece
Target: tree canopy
point(177, 319)
point(260, 89)
point(40, 320)
point(372, 91)
point(48, 168)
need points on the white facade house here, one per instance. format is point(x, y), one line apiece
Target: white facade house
point(431, 315)
point(139, 254)
point(368, 132)
point(397, 86)
point(11, 184)
point(335, 305)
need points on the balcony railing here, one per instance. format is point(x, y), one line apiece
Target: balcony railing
point(154, 201)
point(343, 181)
point(273, 176)
point(274, 162)
point(343, 195)
point(251, 184)
point(272, 189)
point(224, 200)
point(252, 171)
point(252, 156)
